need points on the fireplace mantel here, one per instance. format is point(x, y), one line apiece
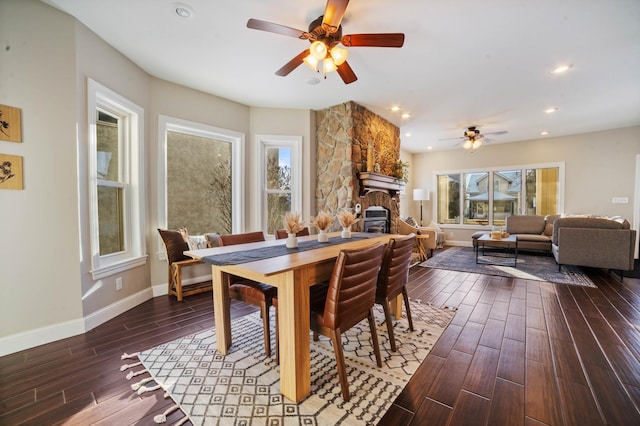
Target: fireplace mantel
point(370, 181)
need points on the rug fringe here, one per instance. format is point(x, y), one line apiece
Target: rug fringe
point(128, 366)
point(136, 386)
point(133, 355)
point(133, 374)
point(162, 418)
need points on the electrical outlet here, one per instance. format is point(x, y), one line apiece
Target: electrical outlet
point(118, 283)
point(620, 200)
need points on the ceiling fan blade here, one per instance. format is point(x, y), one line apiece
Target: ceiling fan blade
point(501, 132)
point(293, 64)
point(333, 14)
point(346, 73)
point(270, 27)
point(452, 139)
point(374, 40)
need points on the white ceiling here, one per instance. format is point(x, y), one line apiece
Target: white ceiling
point(464, 62)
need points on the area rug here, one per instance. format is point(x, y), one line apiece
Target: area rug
point(538, 267)
point(243, 387)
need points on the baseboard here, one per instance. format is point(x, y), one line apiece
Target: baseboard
point(162, 289)
point(121, 306)
point(32, 338)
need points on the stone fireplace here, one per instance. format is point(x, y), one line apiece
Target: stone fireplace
point(353, 140)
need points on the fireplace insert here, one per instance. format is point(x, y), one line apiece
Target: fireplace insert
point(376, 219)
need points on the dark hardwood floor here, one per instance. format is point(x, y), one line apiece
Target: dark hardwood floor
point(517, 352)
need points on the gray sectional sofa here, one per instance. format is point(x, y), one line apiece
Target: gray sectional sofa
point(581, 241)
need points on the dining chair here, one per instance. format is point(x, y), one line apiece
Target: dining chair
point(393, 277)
point(348, 299)
point(281, 234)
point(248, 291)
point(175, 246)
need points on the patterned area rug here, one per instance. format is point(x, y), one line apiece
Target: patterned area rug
point(243, 387)
point(538, 267)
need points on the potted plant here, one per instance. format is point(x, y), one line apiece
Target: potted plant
point(400, 170)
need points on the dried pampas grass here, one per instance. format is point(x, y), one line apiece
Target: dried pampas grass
point(322, 221)
point(347, 218)
point(293, 223)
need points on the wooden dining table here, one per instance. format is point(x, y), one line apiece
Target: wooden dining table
point(293, 274)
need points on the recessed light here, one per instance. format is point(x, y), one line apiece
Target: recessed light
point(313, 81)
point(408, 135)
point(183, 10)
point(395, 108)
point(561, 69)
point(545, 133)
point(429, 148)
point(406, 115)
point(551, 110)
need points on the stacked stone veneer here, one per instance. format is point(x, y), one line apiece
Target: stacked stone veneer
point(351, 139)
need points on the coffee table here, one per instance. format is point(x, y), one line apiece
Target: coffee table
point(503, 247)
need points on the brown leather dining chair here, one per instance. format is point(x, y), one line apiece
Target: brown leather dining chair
point(175, 245)
point(281, 234)
point(349, 299)
point(393, 277)
point(248, 291)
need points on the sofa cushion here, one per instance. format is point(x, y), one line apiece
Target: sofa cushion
point(533, 238)
point(525, 224)
point(586, 222)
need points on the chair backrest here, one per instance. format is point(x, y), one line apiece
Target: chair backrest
point(174, 244)
point(394, 272)
point(352, 287)
point(282, 233)
point(248, 237)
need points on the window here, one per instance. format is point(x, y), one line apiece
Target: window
point(200, 177)
point(488, 197)
point(116, 137)
point(280, 179)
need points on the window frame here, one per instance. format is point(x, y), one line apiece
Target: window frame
point(131, 177)
point(294, 143)
point(236, 139)
point(492, 170)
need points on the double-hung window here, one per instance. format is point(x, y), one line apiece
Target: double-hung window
point(281, 174)
point(116, 135)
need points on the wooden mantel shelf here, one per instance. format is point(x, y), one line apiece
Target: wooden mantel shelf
point(370, 181)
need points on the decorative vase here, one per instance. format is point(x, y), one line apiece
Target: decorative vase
point(323, 237)
point(292, 241)
point(346, 232)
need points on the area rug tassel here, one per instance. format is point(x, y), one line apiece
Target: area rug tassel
point(128, 366)
point(133, 355)
point(162, 418)
point(138, 385)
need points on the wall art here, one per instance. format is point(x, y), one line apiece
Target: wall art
point(10, 172)
point(10, 124)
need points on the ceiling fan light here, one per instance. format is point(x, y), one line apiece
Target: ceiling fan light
point(328, 65)
point(318, 50)
point(467, 144)
point(311, 62)
point(477, 143)
point(339, 55)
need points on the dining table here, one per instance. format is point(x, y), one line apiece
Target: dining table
point(293, 271)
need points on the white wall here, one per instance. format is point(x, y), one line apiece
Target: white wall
point(284, 122)
point(598, 167)
point(40, 255)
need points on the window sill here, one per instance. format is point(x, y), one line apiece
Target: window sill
point(115, 268)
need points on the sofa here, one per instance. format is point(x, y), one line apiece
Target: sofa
point(594, 242)
point(533, 232)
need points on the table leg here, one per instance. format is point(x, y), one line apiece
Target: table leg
point(221, 309)
point(293, 318)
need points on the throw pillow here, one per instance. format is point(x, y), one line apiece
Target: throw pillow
point(411, 221)
point(174, 244)
point(434, 225)
point(197, 242)
point(185, 234)
point(213, 239)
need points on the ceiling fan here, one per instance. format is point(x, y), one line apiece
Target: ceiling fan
point(473, 139)
point(325, 34)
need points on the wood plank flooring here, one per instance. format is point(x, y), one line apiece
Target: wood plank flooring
point(517, 352)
